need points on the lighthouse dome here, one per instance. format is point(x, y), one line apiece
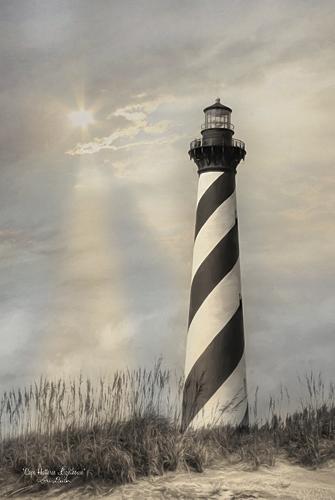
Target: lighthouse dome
point(217, 105)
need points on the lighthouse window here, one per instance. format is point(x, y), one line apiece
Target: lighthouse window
point(217, 118)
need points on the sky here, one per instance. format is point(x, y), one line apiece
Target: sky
point(97, 222)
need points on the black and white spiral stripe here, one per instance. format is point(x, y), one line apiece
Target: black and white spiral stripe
point(215, 386)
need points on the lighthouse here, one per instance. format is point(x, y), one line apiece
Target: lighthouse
point(215, 389)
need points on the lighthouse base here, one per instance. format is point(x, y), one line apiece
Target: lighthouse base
point(228, 406)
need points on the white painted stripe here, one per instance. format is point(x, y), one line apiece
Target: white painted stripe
point(229, 403)
point(215, 228)
point(214, 313)
point(205, 180)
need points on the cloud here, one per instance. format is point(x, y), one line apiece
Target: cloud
point(139, 117)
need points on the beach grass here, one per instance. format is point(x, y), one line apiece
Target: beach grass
point(76, 431)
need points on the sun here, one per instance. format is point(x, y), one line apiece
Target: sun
point(81, 118)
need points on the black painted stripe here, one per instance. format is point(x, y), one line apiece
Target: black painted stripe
point(211, 271)
point(217, 193)
point(213, 367)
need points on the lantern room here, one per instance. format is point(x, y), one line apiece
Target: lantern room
point(217, 116)
point(217, 149)
point(217, 129)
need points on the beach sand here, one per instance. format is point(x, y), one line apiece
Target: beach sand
point(223, 481)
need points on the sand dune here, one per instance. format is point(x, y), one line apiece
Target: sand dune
point(284, 481)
